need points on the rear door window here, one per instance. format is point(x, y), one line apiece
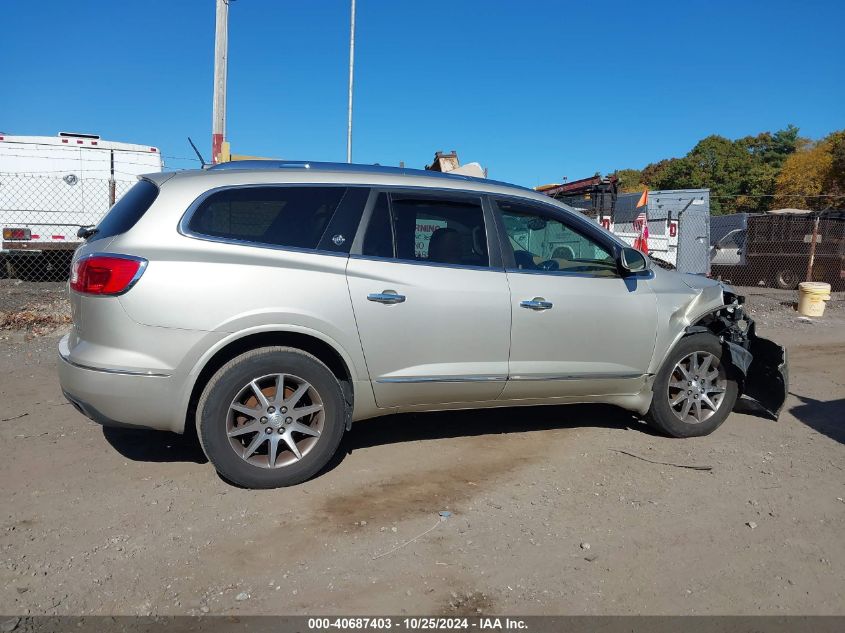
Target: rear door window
point(127, 211)
point(429, 229)
point(294, 217)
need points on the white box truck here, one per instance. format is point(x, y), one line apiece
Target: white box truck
point(50, 186)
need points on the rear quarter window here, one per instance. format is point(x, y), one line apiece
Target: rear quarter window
point(278, 216)
point(127, 211)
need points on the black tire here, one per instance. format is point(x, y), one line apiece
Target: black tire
point(663, 417)
point(213, 417)
point(786, 279)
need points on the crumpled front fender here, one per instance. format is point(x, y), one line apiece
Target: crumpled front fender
point(767, 378)
point(762, 364)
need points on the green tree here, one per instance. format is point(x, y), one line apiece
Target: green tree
point(768, 152)
point(652, 172)
point(741, 174)
point(716, 163)
point(630, 180)
point(834, 182)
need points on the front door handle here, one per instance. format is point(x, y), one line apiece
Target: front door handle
point(537, 303)
point(388, 296)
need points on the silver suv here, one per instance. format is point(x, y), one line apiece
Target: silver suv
point(272, 304)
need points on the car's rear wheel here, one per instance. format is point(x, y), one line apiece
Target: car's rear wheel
point(271, 417)
point(694, 391)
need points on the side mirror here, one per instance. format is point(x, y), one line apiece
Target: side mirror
point(634, 261)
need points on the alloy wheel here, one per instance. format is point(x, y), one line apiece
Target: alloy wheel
point(697, 387)
point(275, 420)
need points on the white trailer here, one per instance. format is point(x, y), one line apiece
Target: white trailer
point(662, 238)
point(52, 185)
point(678, 226)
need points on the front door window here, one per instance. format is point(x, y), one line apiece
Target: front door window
point(542, 243)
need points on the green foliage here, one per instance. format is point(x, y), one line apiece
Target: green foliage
point(745, 174)
point(715, 162)
point(630, 180)
point(653, 172)
point(835, 179)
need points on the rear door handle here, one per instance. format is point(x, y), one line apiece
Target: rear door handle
point(388, 296)
point(537, 303)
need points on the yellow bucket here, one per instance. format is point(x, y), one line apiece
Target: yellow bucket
point(811, 297)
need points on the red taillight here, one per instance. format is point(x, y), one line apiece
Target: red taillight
point(17, 234)
point(106, 274)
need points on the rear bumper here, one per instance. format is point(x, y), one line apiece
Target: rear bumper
point(23, 249)
point(120, 398)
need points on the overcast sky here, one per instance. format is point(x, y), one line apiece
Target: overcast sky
point(532, 90)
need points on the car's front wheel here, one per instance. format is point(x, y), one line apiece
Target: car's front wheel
point(271, 417)
point(694, 391)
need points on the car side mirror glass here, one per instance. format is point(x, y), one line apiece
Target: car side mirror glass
point(634, 261)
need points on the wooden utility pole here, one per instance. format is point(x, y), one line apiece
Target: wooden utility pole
point(351, 75)
point(221, 58)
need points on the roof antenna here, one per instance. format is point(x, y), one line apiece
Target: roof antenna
point(197, 152)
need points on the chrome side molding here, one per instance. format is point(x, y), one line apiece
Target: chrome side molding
point(416, 379)
point(500, 378)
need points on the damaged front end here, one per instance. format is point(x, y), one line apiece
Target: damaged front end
point(761, 364)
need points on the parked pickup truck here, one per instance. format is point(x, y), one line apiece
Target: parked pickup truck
point(774, 250)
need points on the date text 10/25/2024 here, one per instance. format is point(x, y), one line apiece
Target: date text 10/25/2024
point(417, 623)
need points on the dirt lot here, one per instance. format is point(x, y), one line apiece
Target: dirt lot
point(547, 516)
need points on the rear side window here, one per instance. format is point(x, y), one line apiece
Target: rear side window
point(127, 211)
point(278, 216)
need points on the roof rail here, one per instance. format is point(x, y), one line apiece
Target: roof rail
point(267, 165)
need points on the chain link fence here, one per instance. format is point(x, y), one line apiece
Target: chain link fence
point(779, 250)
point(39, 218)
point(754, 252)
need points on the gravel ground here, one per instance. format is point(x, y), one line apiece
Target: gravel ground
point(773, 307)
point(32, 306)
point(548, 515)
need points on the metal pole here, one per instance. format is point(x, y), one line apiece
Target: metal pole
point(812, 250)
point(351, 76)
point(112, 188)
point(221, 58)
